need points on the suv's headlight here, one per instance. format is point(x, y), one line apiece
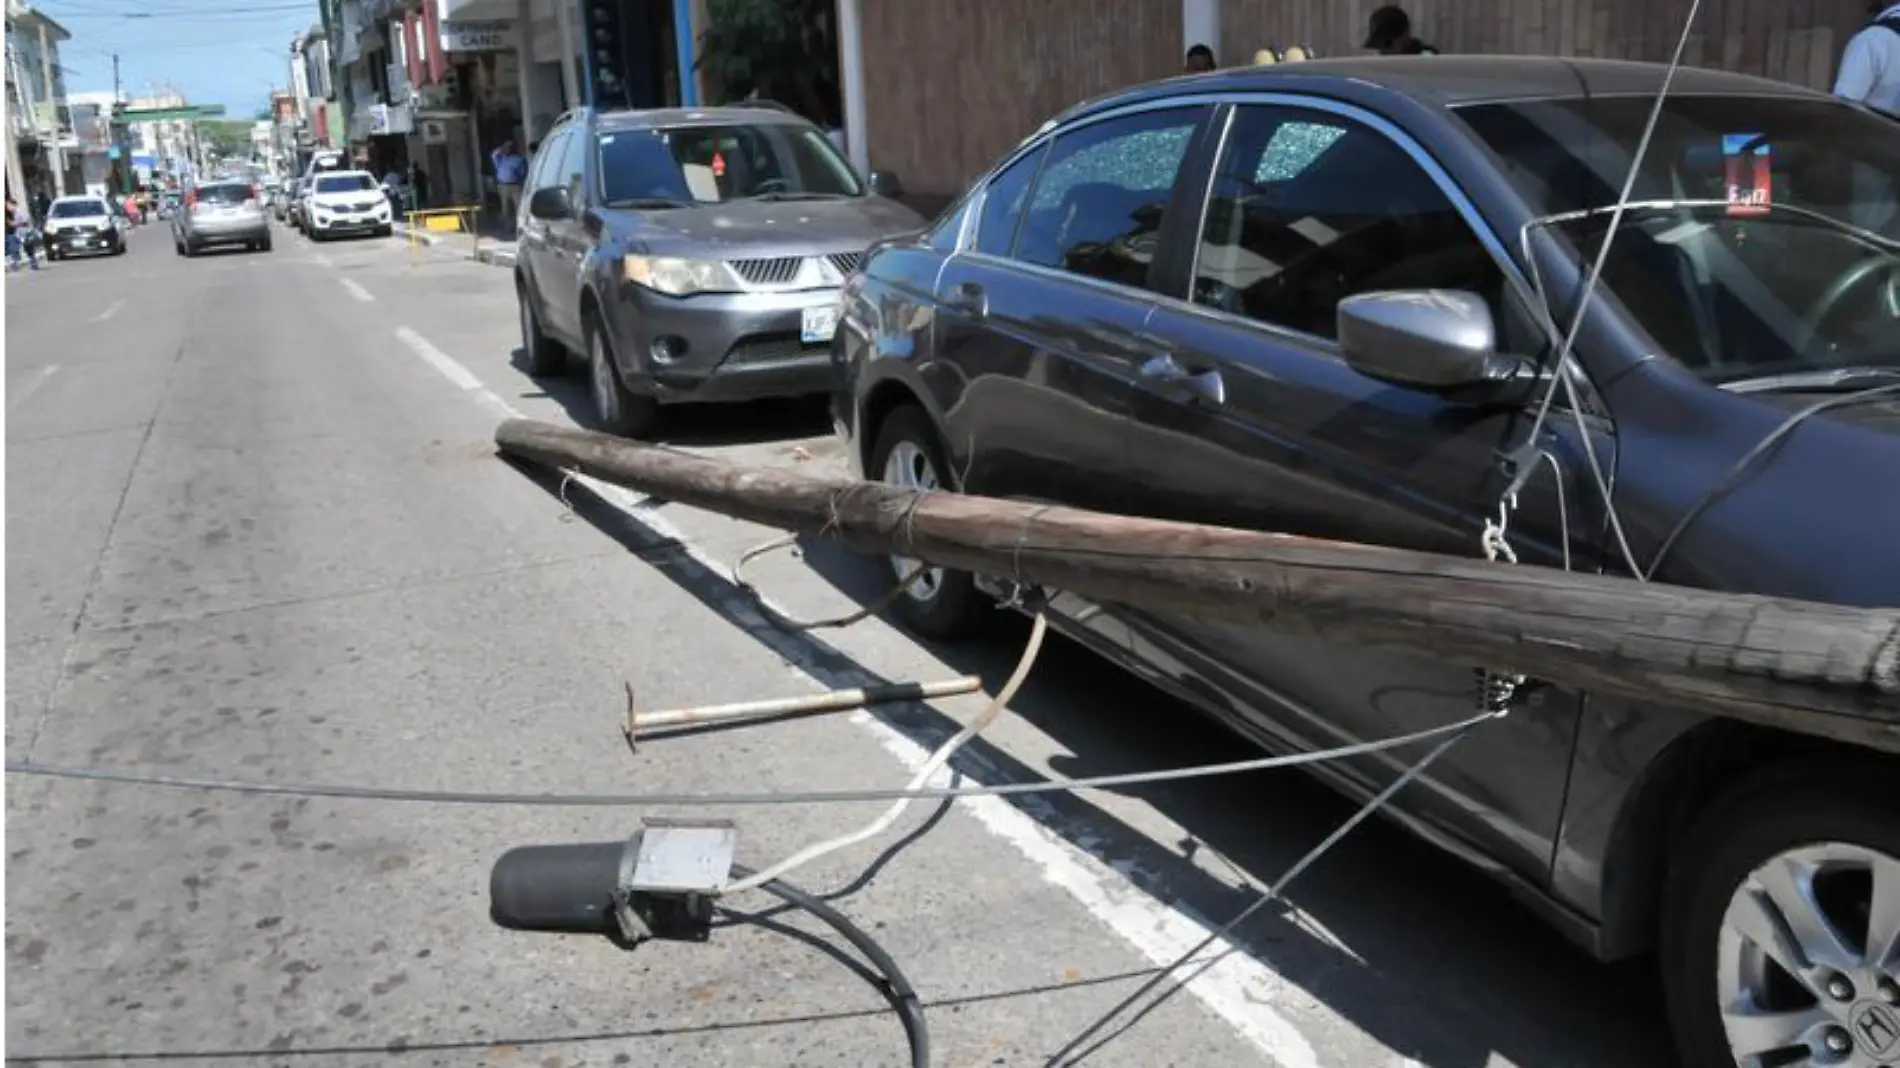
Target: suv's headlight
point(678, 277)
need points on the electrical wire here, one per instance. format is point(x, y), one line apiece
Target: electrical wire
point(896, 988)
point(1270, 894)
point(787, 797)
point(785, 622)
point(1733, 476)
point(1567, 343)
point(938, 759)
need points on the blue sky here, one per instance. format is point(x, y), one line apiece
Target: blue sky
point(230, 54)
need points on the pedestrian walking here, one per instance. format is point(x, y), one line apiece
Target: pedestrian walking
point(1870, 67)
point(511, 171)
point(1200, 59)
point(19, 227)
point(1389, 32)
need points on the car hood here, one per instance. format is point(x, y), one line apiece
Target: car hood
point(1881, 415)
point(761, 229)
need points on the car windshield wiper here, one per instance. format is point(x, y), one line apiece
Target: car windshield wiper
point(795, 196)
point(1829, 380)
point(1861, 233)
point(649, 203)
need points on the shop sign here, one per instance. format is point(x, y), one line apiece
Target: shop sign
point(488, 35)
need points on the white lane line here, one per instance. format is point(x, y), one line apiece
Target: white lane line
point(1238, 987)
point(46, 374)
point(112, 309)
point(453, 371)
point(356, 290)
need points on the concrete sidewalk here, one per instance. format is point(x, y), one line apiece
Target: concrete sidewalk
point(495, 248)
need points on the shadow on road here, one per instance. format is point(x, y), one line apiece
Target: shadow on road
point(689, 425)
point(1414, 948)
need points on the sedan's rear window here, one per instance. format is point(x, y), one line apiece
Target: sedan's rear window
point(224, 194)
point(344, 183)
point(78, 209)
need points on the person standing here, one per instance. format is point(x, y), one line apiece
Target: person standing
point(1389, 32)
point(418, 185)
point(1870, 67)
point(511, 171)
point(19, 230)
point(1200, 59)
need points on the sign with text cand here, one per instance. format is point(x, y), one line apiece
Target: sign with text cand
point(496, 35)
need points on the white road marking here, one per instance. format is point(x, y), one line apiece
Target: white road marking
point(46, 374)
point(1238, 987)
point(323, 261)
point(112, 309)
point(356, 290)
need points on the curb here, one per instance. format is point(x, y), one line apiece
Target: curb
point(494, 257)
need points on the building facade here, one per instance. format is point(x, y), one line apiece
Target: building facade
point(42, 150)
point(947, 89)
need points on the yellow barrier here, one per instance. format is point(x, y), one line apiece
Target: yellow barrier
point(460, 219)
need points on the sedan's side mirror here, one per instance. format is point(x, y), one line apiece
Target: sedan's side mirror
point(885, 184)
point(550, 203)
point(1436, 340)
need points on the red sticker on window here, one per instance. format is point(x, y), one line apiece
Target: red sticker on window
point(718, 165)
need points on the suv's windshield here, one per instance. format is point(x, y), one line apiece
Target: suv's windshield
point(1755, 248)
point(706, 164)
point(73, 209)
point(345, 183)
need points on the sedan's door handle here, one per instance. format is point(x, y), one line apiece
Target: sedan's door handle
point(1204, 385)
point(970, 299)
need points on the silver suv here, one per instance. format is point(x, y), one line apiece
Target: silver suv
point(221, 213)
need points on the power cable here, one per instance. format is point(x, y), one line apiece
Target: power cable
point(762, 798)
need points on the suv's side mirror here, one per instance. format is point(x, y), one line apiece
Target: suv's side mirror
point(1436, 340)
point(885, 184)
point(550, 203)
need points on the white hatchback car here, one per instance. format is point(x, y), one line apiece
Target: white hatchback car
point(345, 202)
point(82, 224)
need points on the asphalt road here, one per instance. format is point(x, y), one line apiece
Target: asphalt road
point(255, 528)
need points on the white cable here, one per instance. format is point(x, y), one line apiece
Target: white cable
point(922, 779)
point(1565, 351)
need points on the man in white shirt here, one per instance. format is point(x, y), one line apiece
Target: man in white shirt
point(1870, 68)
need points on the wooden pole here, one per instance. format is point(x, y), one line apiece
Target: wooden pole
point(1818, 669)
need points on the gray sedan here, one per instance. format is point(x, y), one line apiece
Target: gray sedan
point(692, 255)
point(221, 213)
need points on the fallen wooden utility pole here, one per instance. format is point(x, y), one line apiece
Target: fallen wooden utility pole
point(1818, 669)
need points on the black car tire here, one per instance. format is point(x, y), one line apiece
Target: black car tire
point(617, 409)
point(546, 357)
point(1733, 835)
point(385, 231)
point(264, 245)
point(956, 606)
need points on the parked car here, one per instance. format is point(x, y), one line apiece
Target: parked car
point(691, 255)
point(82, 225)
point(345, 202)
point(221, 213)
point(1312, 298)
point(293, 204)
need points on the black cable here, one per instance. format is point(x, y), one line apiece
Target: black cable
point(895, 988)
point(1733, 476)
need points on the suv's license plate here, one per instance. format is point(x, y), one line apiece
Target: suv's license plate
point(818, 324)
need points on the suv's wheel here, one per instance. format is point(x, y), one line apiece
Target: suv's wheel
point(617, 410)
point(938, 602)
point(1781, 926)
point(545, 355)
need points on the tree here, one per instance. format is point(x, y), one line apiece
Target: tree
point(778, 47)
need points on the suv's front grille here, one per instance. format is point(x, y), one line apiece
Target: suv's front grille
point(846, 262)
point(770, 272)
point(771, 348)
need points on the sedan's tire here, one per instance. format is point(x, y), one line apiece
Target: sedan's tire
point(617, 409)
point(264, 245)
point(939, 603)
point(1799, 865)
point(546, 357)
